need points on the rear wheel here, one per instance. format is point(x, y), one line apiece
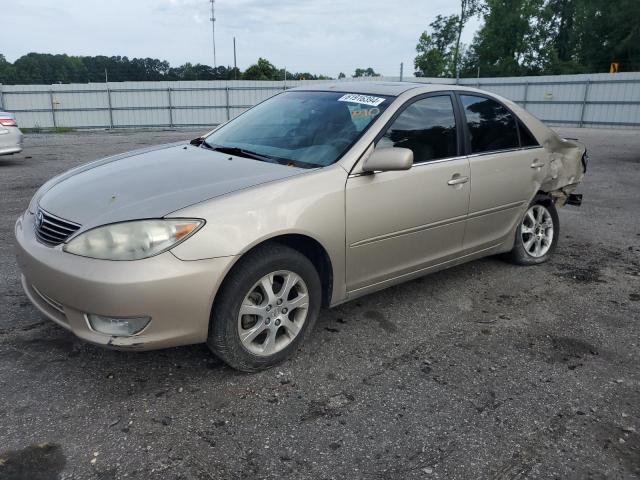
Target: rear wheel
point(265, 309)
point(537, 234)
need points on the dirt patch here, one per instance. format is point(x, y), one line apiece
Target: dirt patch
point(616, 321)
point(387, 325)
point(564, 349)
point(329, 407)
point(553, 349)
point(36, 462)
point(624, 444)
point(588, 274)
point(67, 345)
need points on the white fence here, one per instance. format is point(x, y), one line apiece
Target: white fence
point(594, 100)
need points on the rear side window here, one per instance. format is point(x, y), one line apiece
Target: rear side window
point(427, 127)
point(526, 137)
point(491, 126)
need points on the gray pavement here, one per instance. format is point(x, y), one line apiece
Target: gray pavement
point(486, 370)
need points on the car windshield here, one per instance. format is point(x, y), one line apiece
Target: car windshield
point(302, 128)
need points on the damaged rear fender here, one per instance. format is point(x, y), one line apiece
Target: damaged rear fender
point(566, 158)
point(566, 166)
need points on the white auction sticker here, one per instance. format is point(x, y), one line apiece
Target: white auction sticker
point(362, 99)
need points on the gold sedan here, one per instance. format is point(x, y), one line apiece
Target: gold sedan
point(312, 198)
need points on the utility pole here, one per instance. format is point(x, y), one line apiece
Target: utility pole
point(235, 65)
point(401, 69)
point(213, 31)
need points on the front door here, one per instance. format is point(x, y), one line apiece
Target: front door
point(401, 222)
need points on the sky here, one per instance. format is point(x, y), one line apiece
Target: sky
point(317, 36)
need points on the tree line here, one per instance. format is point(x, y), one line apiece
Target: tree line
point(46, 69)
point(533, 37)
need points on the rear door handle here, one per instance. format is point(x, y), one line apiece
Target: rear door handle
point(457, 180)
point(537, 164)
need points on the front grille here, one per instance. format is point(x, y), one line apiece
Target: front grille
point(52, 230)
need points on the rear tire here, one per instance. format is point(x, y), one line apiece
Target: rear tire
point(266, 307)
point(537, 234)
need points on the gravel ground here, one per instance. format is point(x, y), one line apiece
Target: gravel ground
point(486, 370)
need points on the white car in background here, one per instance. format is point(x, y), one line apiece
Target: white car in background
point(10, 134)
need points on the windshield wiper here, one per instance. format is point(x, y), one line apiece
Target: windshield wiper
point(241, 152)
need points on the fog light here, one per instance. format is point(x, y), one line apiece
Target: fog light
point(118, 327)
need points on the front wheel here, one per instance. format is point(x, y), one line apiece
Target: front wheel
point(265, 309)
point(538, 232)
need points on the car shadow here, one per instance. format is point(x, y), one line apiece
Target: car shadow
point(10, 162)
point(48, 353)
point(45, 350)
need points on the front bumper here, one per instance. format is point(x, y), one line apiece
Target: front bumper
point(176, 294)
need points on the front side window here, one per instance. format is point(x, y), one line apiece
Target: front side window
point(491, 126)
point(427, 127)
point(306, 129)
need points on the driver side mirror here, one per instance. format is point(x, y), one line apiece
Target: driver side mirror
point(388, 159)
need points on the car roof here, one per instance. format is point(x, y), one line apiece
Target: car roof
point(365, 87)
point(395, 89)
point(392, 89)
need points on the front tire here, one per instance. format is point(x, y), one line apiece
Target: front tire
point(538, 233)
point(265, 309)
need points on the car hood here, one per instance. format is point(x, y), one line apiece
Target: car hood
point(152, 183)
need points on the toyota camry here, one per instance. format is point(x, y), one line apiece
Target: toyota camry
point(314, 197)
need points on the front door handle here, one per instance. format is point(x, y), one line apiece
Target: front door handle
point(537, 164)
point(457, 180)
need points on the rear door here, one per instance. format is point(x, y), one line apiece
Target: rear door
point(506, 165)
point(400, 222)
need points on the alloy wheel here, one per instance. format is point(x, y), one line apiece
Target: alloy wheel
point(273, 312)
point(537, 231)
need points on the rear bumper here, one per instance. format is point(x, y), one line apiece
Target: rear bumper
point(10, 140)
point(176, 294)
point(10, 150)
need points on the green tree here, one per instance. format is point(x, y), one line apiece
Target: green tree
point(261, 70)
point(511, 41)
point(47, 69)
point(7, 71)
point(365, 72)
point(439, 48)
point(530, 37)
point(436, 51)
point(468, 9)
point(590, 34)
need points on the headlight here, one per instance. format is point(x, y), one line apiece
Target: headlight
point(132, 240)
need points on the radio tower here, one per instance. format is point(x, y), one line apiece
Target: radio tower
point(213, 30)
